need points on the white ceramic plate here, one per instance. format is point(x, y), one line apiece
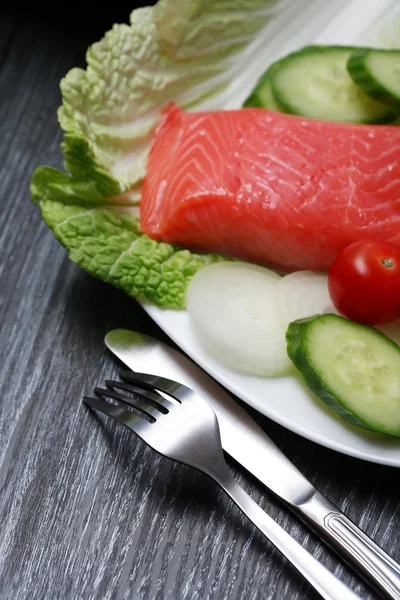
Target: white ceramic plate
point(285, 399)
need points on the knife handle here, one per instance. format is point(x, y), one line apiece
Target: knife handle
point(352, 544)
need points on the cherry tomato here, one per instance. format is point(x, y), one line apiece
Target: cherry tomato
point(364, 282)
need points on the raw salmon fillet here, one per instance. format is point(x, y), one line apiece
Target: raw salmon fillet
point(276, 189)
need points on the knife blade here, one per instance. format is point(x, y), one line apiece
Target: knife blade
point(245, 441)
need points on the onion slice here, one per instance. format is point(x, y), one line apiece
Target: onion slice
point(303, 294)
point(241, 312)
point(232, 307)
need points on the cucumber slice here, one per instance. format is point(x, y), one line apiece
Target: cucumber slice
point(377, 72)
point(314, 82)
point(262, 97)
point(354, 368)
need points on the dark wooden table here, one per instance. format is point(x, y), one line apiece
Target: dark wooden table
point(86, 510)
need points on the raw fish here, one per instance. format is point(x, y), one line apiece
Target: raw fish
point(276, 189)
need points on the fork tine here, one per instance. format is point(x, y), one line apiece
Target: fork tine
point(139, 400)
point(140, 407)
point(152, 382)
point(125, 417)
point(152, 397)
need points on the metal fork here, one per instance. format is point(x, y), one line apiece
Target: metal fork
point(182, 426)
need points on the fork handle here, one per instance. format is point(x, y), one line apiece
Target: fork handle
point(325, 582)
point(352, 544)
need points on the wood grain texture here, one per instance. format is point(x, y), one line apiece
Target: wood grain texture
point(86, 510)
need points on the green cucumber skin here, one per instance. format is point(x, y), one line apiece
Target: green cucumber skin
point(360, 74)
point(387, 116)
point(297, 352)
point(255, 99)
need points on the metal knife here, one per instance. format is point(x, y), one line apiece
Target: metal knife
point(250, 446)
